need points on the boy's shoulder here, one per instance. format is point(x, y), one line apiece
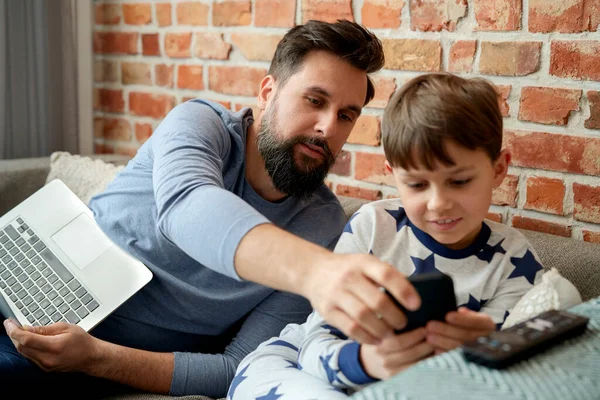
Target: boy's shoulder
point(379, 206)
point(510, 236)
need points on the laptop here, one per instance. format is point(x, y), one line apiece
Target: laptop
point(56, 264)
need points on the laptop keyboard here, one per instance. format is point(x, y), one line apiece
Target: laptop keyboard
point(37, 281)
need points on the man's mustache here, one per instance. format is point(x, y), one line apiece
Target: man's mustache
point(314, 141)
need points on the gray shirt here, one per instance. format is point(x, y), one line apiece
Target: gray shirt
point(182, 206)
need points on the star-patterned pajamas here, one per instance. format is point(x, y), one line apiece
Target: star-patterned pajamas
point(317, 361)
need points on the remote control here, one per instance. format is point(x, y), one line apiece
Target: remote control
point(503, 348)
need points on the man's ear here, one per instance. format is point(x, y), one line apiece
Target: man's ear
point(501, 167)
point(267, 89)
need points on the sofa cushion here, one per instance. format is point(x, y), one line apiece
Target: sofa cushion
point(83, 175)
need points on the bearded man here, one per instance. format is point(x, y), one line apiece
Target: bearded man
point(231, 214)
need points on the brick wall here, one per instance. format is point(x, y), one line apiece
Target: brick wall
point(543, 55)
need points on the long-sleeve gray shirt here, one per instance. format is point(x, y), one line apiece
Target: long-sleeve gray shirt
point(182, 206)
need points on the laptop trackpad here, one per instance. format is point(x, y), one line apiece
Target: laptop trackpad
point(82, 240)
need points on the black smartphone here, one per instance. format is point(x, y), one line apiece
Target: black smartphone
point(437, 299)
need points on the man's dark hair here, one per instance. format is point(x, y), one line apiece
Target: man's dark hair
point(345, 39)
point(434, 108)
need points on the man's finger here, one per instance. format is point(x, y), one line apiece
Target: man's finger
point(395, 283)
point(364, 317)
point(343, 322)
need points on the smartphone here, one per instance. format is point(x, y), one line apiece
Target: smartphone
point(436, 290)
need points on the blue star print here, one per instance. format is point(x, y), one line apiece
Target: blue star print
point(348, 227)
point(526, 266)
point(292, 364)
point(400, 217)
point(331, 373)
point(487, 253)
point(472, 304)
point(272, 395)
point(239, 378)
point(426, 265)
point(335, 332)
point(498, 326)
point(284, 344)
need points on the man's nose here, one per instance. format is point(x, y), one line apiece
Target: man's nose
point(326, 125)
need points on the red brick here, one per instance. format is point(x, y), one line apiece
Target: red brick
point(510, 58)
point(591, 236)
point(242, 81)
point(109, 100)
point(150, 105)
point(276, 13)
point(115, 129)
point(232, 13)
point(136, 73)
point(546, 105)
point(359, 193)
point(593, 122)
point(575, 59)
point(137, 14)
point(103, 148)
point(327, 10)
point(107, 14)
point(553, 151)
point(503, 94)
point(384, 14)
point(412, 54)
point(106, 71)
point(370, 167)
point(192, 13)
point(498, 15)
point(143, 131)
point(342, 164)
point(435, 15)
point(256, 46)
point(163, 75)
point(545, 195)
point(190, 77)
point(506, 193)
point(177, 45)
point(163, 14)
point(126, 150)
point(367, 131)
point(211, 45)
point(462, 55)
point(384, 89)
point(496, 217)
point(587, 202)
point(150, 45)
point(565, 16)
point(532, 224)
point(116, 42)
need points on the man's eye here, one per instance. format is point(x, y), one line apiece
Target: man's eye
point(313, 101)
point(346, 117)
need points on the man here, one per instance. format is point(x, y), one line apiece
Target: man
point(232, 217)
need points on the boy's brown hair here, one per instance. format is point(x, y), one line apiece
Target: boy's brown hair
point(431, 109)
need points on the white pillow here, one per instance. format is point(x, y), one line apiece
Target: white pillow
point(554, 292)
point(83, 175)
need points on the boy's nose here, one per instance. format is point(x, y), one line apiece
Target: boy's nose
point(439, 201)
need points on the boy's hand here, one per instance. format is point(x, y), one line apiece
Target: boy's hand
point(461, 326)
point(395, 353)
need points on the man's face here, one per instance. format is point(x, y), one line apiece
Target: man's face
point(308, 120)
point(450, 202)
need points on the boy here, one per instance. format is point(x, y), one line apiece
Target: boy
point(442, 137)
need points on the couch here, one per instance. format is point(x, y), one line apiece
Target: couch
point(576, 260)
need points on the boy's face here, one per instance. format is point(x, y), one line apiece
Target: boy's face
point(450, 202)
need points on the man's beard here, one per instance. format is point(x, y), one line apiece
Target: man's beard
point(278, 155)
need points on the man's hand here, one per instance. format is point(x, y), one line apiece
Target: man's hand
point(461, 326)
point(59, 347)
point(347, 293)
point(395, 353)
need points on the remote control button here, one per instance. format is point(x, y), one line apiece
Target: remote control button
point(506, 347)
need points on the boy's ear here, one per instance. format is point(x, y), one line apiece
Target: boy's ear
point(388, 167)
point(267, 89)
point(501, 167)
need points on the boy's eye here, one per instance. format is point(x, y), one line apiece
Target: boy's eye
point(460, 182)
point(417, 185)
point(346, 117)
